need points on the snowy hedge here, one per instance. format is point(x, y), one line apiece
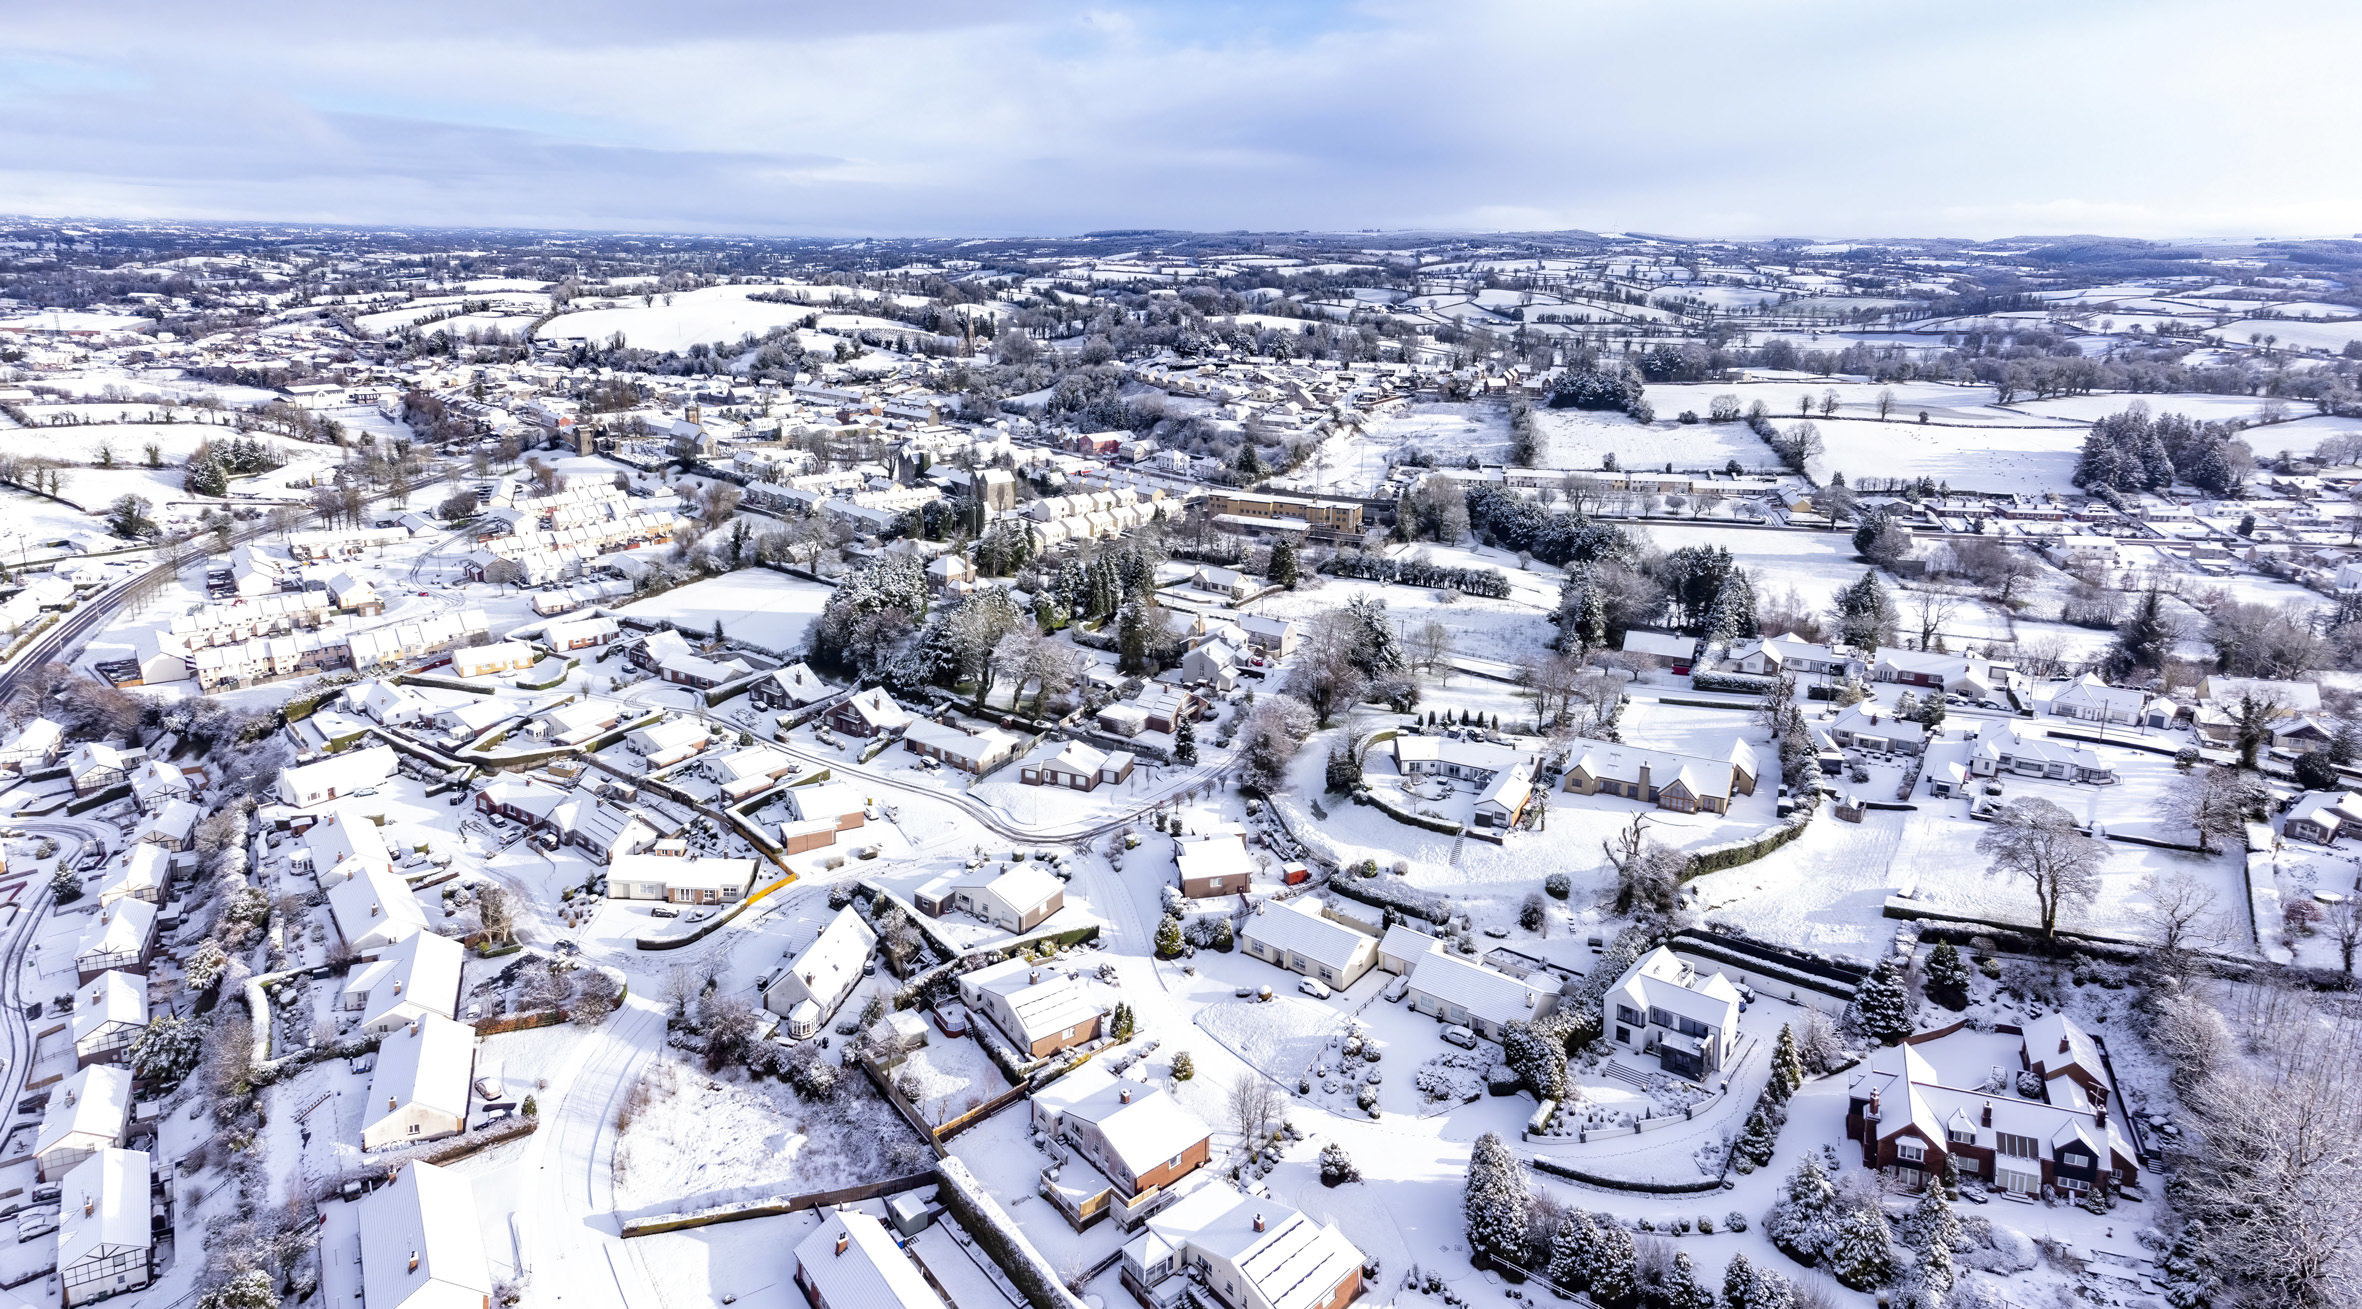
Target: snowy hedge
point(1486, 582)
point(1574, 1174)
point(1409, 901)
point(1715, 858)
point(984, 1219)
point(1444, 825)
point(1733, 683)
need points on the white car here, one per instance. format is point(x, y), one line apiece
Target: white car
point(1315, 988)
point(1459, 1036)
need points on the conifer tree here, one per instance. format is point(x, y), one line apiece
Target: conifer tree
point(1947, 976)
point(1495, 1202)
point(1282, 571)
point(1882, 1008)
point(1185, 741)
point(1862, 1254)
point(1681, 1289)
point(1804, 1221)
point(1787, 1066)
point(1613, 1273)
point(1570, 1250)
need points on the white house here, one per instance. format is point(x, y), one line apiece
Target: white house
point(1253, 1252)
point(2093, 701)
point(661, 745)
point(306, 785)
point(1296, 936)
point(89, 1112)
point(499, 657)
point(1463, 991)
point(419, 1089)
point(808, 993)
point(2004, 745)
point(422, 1243)
point(1074, 766)
point(121, 937)
point(103, 1240)
point(1216, 863)
point(142, 875)
point(375, 909)
point(679, 878)
point(110, 1011)
point(411, 979)
point(1014, 901)
point(1663, 1006)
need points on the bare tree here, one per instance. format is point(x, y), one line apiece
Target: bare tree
point(2344, 920)
point(1648, 874)
point(1430, 647)
point(1254, 1107)
point(2180, 916)
point(2214, 802)
point(1931, 608)
point(2037, 842)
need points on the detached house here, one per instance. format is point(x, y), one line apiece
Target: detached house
point(1682, 783)
point(109, 1014)
point(2323, 816)
point(2090, 700)
point(1039, 1007)
point(1251, 1252)
point(792, 687)
point(813, 987)
point(2005, 746)
point(410, 980)
point(89, 1112)
point(1217, 863)
point(971, 752)
point(104, 1228)
point(1459, 990)
point(1295, 935)
point(1466, 759)
point(1773, 655)
point(419, 1089)
point(1074, 766)
point(870, 713)
point(851, 1261)
point(123, 936)
point(1910, 1115)
point(661, 745)
point(422, 1244)
point(1118, 1149)
point(1870, 726)
point(1663, 1006)
point(1018, 900)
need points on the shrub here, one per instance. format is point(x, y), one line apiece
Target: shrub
point(1559, 885)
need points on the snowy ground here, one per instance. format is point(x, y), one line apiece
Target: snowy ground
point(762, 608)
point(675, 321)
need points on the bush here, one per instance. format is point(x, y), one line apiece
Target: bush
point(1559, 885)
point(1184, 1067)
point(1732, 682)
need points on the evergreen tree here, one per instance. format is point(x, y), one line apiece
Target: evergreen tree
point(2187, 1270)
point(1866, 614)
point(1538, 1056)
point(1282, 571)
point(1680, 1289)
point(1947, 976)
point(1739, 1283)
point(1336, 1167)
point(1249, 465)
point(1185, 741)
point(1882, 1008)
point(1613, 1274)
point(1787, 1066)
point(1862, 1254)
point(1756, 1141)
point(1184, 1067)
point(2144, 639)
point(1732, 616)
point(1168, 937)
point(1121, 1024)
point(1342, 773)
point(1571, 1250)
point(1495, 1202)
point(1582, 612)
point(1804, 1221)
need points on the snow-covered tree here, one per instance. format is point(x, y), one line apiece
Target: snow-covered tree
point(1803, 1223)
point(1862, 1253)
point(1681, 1288)
point(1744, 1286)
point(1185, 741)
point(1274, 730)
point(1932, 1230)
point(1882, 1008)
point(1787, 1066)
point(1571, 1249)
point(1538, 1056)
point(1947, 976)
point(1753, 1147)
point(1168, 937)
point(1495, 1202)
point(1184, 1067)
point(251, 1289)
point(2187, 1271)
point(1613, 1271)
point(1866, 615)
point(166, 1050)
point(1336, 1167)
point(1282, 570)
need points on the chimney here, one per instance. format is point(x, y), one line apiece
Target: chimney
point(1872, 1115)
point(391, 1104)
point(373, 909)
point(1258, 1222)
point(2062, 1045)
point(1988, 1116)
point(1124, 1096)
point(843, 1239)
point(2099, 1116)
point(414, 1261)
point(88, 1206)
point(1034, 976)
point(397, 986)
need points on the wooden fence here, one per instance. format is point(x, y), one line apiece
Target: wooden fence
point(785, 1204)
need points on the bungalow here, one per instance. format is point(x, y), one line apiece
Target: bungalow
point(90, 1112)
point(974, 752)
point(1074, 766)
point(850, 1261)
point(1015, 901)
point(1449, 756)
point(302, 786)
point(410, 980)
point(422, 1244)
point(2323, 816)
point(1463, 991)
point(702, 673)
point(526, 800)
point(1228, 583)
point(105, 1224)
point(1040, 1008)
point(581, 634)
point(2093, 701)
point(1251, 1252)
point(1676, 651)
point(375, 909)
point(1218, 863)
point(870, 713)
point(1118, 1149)
point(836, 803)
point(578, 723)
point(792, 687)
point(1911, 1122)
point(1870, 726)
point(1168, 707)
point(499, 657)
point(679, 878)
point(602, 830)
point(1502, 802)
point(812, 988)
point(110, 1011)
point(744, 772)
point(1402, 947)
point(1773, 655)
point(663, 744)
point(1663, 1006)
point(1682, 783)
point(1123, 719)
point(341, 845)
point(35, 746)
point(419, 1089)
point(123, 936)
point(2006, 746)
point(1297, 936)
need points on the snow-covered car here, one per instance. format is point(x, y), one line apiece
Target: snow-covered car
point(1315, 988)
point(1397, 989)
point(1459, 1036)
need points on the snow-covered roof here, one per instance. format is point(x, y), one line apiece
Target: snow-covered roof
point(343, 845)
point(830, 800)
point(801, 685)
point(144, 872)
point(1042, 998)
point(422, 1246)
point(1025, 888)
point(877, 709)
point(417, 975)
point(92, 1104)
point(1142, 1125)
point(427, 1064)
point(1486, 994)
point(1298, 928)
point(121, 928)
point(685, 872)
point(111, 997)
point(850, 1260)
point(829, 967)
point(1402, 941)
point(375, 908)
point(103, 1207)
point(340, 774)
point(1292, 1262)
point(1662, 979)
point(1220, 854)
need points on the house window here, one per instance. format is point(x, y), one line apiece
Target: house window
point(2022, 1147)
point(1624, 1036)
point(1964, 1136)
point(1659, 1017)
point(1910, 1152)
point(1627, 1014)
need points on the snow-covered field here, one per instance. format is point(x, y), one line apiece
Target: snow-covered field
point(1581, 441)
point(675, 321)
point(760, 607)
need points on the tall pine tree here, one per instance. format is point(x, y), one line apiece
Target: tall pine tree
point(1282, 571)
point(1495, 1202)
point(1882, 1008)
point(1804, 1222)
point(1862, 1255)
point(1185, 741)
point(1787, 1066)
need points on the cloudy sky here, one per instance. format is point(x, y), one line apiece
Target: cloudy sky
point(948, 117)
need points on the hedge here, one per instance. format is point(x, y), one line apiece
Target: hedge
point(1573, 1174)
point(999, 1235)
point(1734, 683)
point(1717, 858)
point(1443, 825)
point(1409, 901)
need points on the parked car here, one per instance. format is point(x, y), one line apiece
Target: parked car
point(1459, 1036)
point(1315, 988)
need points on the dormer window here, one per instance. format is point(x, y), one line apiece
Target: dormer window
point(1911, 1151)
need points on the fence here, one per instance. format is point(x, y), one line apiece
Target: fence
point(786, 1204)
